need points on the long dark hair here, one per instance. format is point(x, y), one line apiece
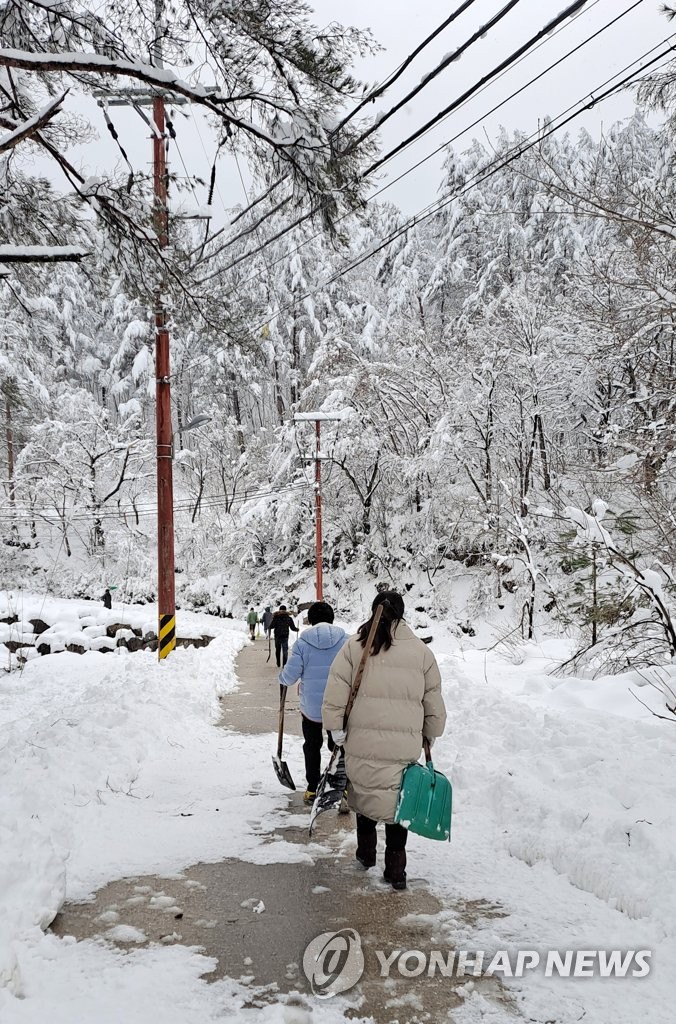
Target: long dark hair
point(393, 611)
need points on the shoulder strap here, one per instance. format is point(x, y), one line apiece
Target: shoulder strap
point(362, 664)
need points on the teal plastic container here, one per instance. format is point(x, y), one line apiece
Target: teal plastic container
point(425, 802)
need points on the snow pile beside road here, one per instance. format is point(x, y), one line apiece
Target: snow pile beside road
point(564, 822)
point(575, 773)
point(94, 750)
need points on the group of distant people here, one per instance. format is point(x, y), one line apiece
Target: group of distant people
point(277, 624)
point(398, 706)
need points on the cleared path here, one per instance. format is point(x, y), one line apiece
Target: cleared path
point(211, 905)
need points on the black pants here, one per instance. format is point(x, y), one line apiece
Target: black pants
point(395, 835)
point(313, 735)
point(281, 648)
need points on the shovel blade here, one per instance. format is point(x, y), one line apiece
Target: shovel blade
point(282, 772)
point(331, 786)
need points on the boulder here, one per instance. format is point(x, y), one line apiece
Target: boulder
point(135, 643)
point(16, 645)
point(201, 641)
point(44, 648)
point(115, 627)
point(39, 626)
point(75, 648)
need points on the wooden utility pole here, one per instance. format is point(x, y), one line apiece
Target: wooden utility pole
point(166, 572)
point(319, 584)
point(317, 418)
point(166, 593)
point(166, 585)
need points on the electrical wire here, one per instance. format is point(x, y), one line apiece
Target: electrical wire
point(39, 510)
point(495, 72)
point(493, 168)
point(388, 82)
point(464, 131)
point(378, 90)
point(143, 511)
point(516, 58)
point(480, 33)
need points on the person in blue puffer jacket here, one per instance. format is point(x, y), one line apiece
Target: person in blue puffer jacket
point(309, 664)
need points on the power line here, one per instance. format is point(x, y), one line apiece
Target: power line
point(388, 82)
point(378, 90)
point(464, 131)
point(499, 165)
point(503, 66)
point(447, 61)
point(492, 168)
point(455, 55)
point(551, 29)
point(142, 511)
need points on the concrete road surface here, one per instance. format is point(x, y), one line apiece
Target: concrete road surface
point(211, 906)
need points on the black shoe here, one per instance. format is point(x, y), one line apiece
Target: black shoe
point(395, 868)
point(367, 844)
point(396, 883)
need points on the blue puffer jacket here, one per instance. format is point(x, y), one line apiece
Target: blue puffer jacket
point(309, 663)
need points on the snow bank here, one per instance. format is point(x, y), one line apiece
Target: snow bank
point(564, 820)
point(83, 740)
point(580, 775)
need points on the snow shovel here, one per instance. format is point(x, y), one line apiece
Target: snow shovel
point(331, 786)
point(281, 767)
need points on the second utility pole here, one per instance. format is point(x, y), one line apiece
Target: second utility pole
point(317, 418)
point(318, 513)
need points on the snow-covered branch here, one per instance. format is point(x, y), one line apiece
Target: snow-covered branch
point(42, 253)
point(26, 129)
point(162, 79)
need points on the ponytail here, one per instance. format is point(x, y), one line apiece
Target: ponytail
point(393, 612)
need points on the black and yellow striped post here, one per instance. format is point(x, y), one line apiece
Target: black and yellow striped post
point(167, 638)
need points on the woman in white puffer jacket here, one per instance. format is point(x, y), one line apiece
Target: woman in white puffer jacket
point(398, 704)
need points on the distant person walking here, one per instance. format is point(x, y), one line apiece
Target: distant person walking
point(398, 705)
point(280, 626)
point(309, 664)
point(107, 599)
point(252, 622)
point(267, 621)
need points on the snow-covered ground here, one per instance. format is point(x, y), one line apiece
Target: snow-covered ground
point(112, 766)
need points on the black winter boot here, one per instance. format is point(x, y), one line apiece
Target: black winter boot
point(367, 841)
point(395, 868)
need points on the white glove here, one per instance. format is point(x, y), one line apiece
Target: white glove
point(338, 736)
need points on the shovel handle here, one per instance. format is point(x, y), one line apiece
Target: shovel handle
point(426, 748)
point(280, 735)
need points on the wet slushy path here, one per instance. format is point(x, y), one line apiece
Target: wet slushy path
point(212, 906)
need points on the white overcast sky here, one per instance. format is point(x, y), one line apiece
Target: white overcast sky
point(399, 25)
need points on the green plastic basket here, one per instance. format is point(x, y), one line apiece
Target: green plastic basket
point(425, 802)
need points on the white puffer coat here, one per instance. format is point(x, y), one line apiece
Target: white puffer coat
point(399, 702)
